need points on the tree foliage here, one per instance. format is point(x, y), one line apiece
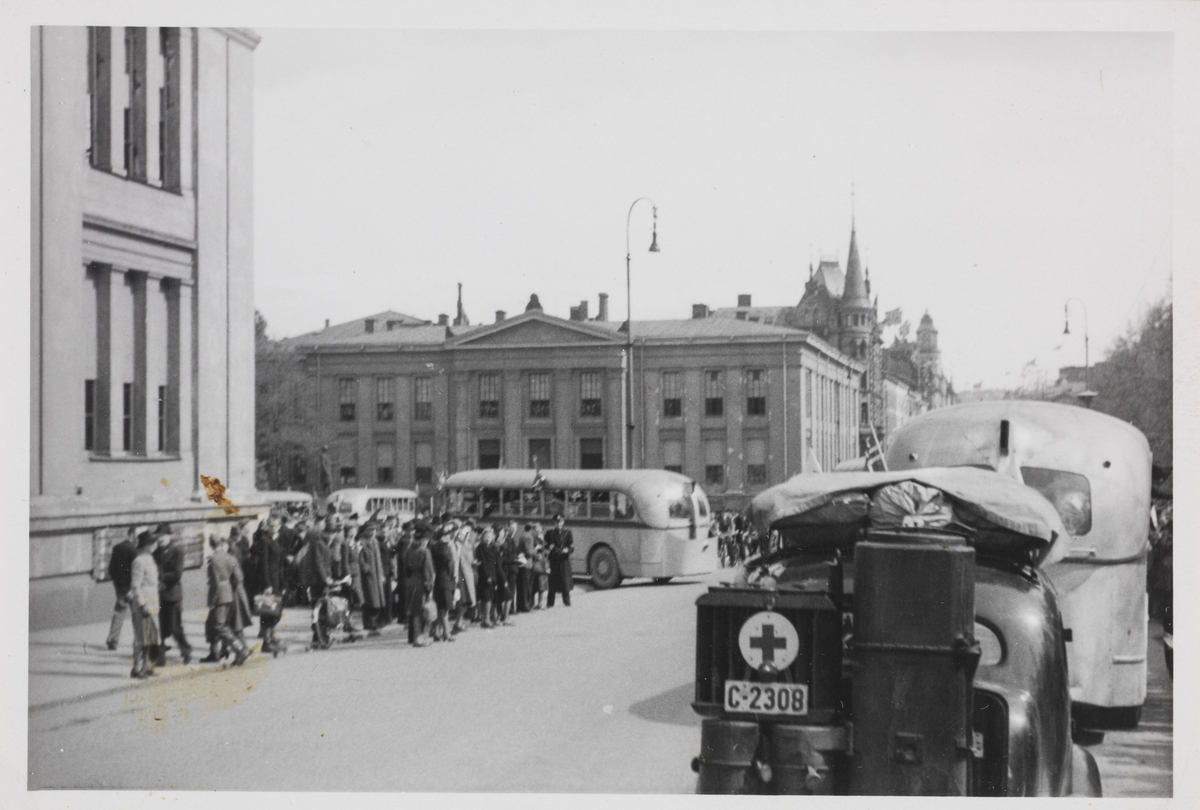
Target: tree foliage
point(1134, 383)
point(287, 433)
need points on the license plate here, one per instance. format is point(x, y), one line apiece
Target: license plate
point(766, 698)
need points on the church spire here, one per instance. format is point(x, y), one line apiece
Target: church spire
point(855, 291)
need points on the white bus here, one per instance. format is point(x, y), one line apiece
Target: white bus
point(626, 523)
point(401, 503)
point(1096, 471)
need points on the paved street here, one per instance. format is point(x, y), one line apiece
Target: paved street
point(591, 698)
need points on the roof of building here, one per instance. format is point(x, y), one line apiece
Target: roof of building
point(764, 315)
point(352, 331)
point(423, 335)
point(854, 293)
point(684, 328)
point(831, 275)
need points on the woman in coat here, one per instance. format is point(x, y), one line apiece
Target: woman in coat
point(445, 581)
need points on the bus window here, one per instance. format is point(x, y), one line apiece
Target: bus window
point(601, 505)
point(532, 502)
point(576, 504)
point(622, 506)
point(491, 502)
point(464, 502)
point(556, 503)
point(702, 502)
point(1071, 495)
point(512, 502)
point(680, 506)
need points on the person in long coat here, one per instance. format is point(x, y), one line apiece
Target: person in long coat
point(403, 543)
point(120, 567)
point(143, 600)
point(464, 567)
point(560, 543)
point(269, 565)
point(510, 555)
point(420, 579)
point(224, 585)
point(386, 540)
point(315, 571)
point(444, 581)
point(370, 564)
point(169, 558)
point(491, 579)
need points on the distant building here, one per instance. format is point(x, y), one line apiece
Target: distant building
point(898, 382)
point(142, 328)
point(738, 406)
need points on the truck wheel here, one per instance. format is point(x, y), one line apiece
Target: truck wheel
point(602, 565)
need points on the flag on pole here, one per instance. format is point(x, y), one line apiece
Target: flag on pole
point(813, 463)
point(904, 331)
point(892, 317)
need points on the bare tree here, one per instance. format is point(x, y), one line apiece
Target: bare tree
point(1134, 383)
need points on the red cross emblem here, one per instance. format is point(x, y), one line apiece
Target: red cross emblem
point(768, 641)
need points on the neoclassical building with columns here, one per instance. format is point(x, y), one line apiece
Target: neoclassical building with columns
point(142, 313)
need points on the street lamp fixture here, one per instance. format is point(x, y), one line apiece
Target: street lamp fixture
point(627, 359)
point(1087, 395)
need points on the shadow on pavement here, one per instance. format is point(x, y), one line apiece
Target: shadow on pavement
point(673, 707)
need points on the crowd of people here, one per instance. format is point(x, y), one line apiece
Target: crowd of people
point(437, 576)
point(737, 539)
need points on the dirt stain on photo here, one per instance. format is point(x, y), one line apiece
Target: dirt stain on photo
point(215, 491)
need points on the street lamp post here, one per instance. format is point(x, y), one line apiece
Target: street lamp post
point(627, 360)
point(1087, 393)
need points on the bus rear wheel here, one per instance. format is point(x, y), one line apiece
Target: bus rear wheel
point(602, 565)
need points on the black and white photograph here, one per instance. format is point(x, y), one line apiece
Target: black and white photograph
point(539, 402)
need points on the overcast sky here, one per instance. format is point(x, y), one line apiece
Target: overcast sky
point(995, 176)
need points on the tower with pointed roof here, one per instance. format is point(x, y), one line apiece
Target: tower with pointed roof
point(856, 315)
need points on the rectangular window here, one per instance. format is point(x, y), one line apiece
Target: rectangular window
point(385, 462)
point(347, 475)
point(591, 454)
point(672, 452)
point(100, 96)
point(135, 113)
point(127, 417)
point(672, 388)
point(347, 398)
point(756, 394)
point(384, 395)
point(714, 461)
point(168, 125)
point(489, 454)
point(423, 461)
point(539, 396)
point(591, 385)
point(756, 461)
point(162, 417)
point(489, 396)
point(539, 454)
point(423, 393)
point(89, 414)
point(714, 394)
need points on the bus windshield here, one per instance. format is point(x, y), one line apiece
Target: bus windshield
point(1069, 492)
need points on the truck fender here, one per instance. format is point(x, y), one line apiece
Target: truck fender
point(1085, 774)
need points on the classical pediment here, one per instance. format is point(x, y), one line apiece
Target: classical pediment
point(536, 329)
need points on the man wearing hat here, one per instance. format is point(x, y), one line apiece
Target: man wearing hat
point(561, 543)
point(143, 599)
point(170, 590)
point(419, 575)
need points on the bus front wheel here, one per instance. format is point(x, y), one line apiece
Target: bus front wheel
point(602, 564)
